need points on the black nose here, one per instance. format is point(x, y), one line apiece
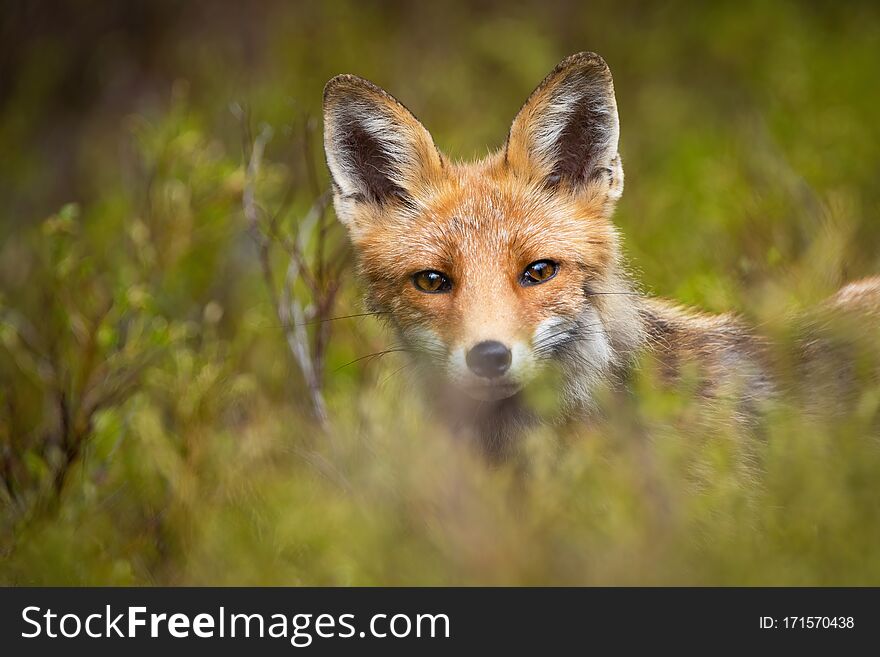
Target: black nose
point(488, 359)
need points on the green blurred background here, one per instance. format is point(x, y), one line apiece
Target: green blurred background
point(155, 428)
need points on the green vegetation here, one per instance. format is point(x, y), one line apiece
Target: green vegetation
point(155, 427)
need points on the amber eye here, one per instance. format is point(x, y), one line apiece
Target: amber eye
point(539, 272)
point(432, 282)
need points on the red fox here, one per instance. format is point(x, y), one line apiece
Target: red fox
point(490, 271)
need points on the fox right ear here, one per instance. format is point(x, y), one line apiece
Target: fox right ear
point(377, 151)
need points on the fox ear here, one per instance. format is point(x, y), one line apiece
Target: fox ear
point(377, 151)
point(567, 131)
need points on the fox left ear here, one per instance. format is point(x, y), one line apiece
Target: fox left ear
point(567, 131)
point(378, 153)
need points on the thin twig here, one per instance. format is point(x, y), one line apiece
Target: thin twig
point(288, 307)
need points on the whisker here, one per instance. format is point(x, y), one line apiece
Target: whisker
point(574, 330)
point(547, 347)
point(377, 354)
point(548, 338)
point(431, 352)
point(333, 319)
point(395, 373)
point(287, 325)
point(591, 293)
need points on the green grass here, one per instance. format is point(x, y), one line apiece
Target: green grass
point(751, 149)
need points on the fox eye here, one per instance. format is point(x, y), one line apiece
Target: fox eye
point(539, 272)
point(432, 282)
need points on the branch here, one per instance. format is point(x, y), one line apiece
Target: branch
point(288, 308)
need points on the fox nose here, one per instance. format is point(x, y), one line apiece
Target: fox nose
point(488, 359)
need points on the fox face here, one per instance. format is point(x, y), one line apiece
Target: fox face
point(490, 271)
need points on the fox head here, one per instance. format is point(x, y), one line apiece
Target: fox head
point(490, 270)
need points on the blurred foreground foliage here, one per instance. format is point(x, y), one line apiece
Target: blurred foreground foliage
point(155, 428)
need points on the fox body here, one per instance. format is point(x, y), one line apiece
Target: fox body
point(492, 271)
